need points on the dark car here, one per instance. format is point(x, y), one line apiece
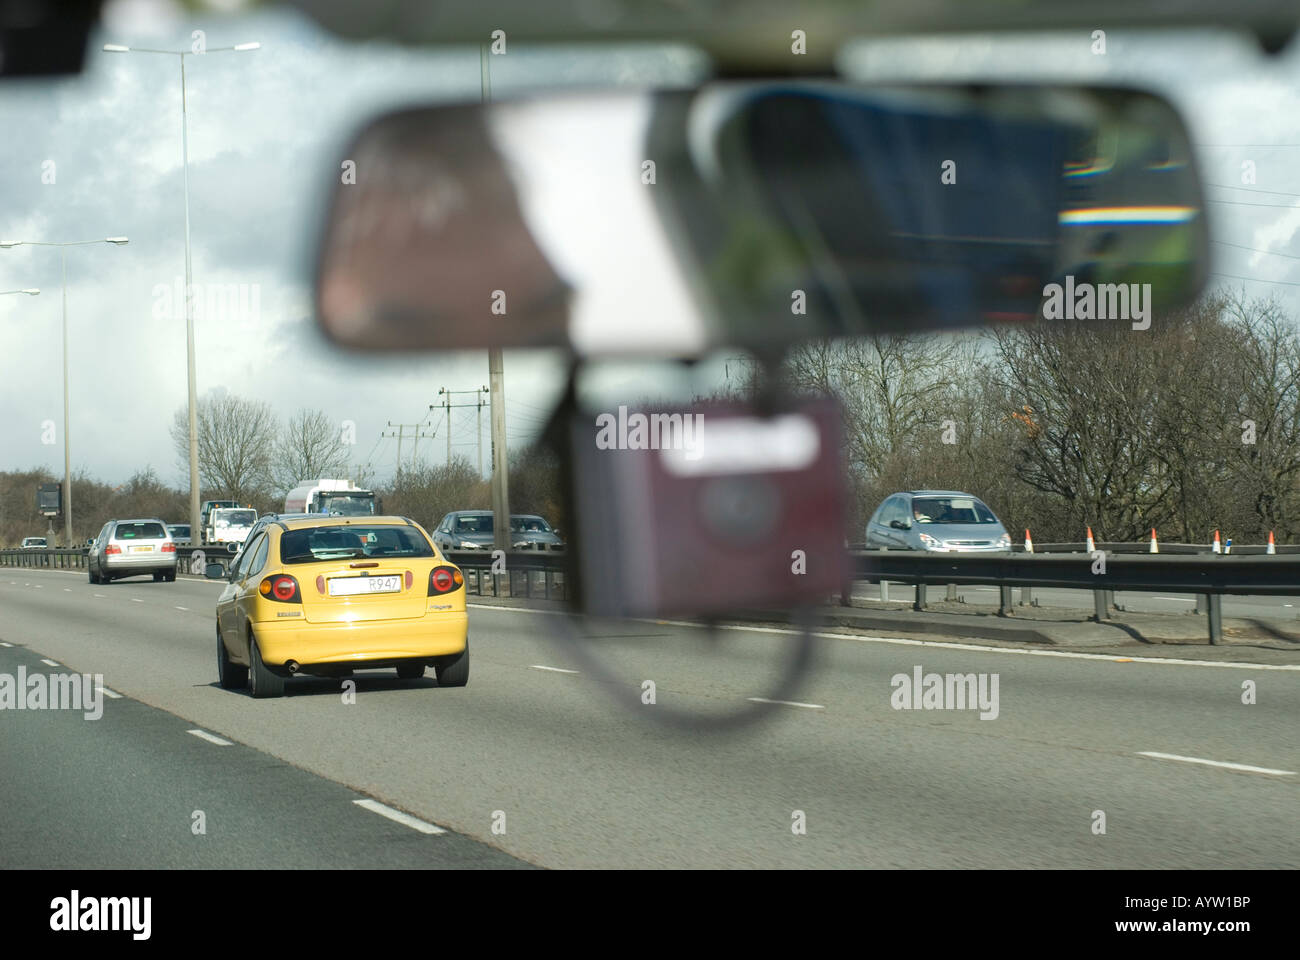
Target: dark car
point(938, 520)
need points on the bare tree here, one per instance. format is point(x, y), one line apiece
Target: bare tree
point(1263, 437)
point(236, 440)
point(310, 446)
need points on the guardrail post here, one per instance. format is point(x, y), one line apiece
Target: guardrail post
point(1216, 617)
point(919, 602)
point(1099, 605)
point(884, 589)
point(1004, 604)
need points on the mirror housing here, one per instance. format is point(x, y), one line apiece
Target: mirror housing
point(770, 213)
point(214, 571)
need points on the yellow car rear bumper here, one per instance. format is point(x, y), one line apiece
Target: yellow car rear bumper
point(433, 635)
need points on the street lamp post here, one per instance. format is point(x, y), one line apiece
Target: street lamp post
point(189, 284)
point(67, 449)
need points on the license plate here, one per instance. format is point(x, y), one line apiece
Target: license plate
point(352, 586)
point(142, 549)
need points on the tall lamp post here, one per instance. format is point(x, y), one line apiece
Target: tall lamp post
point(189, 284)
point(67, 454)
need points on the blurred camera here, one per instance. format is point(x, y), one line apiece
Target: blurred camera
point(707, 509)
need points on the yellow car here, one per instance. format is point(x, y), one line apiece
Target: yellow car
point(327, 595)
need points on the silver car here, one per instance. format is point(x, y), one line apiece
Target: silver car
point(936, 520)
point(130, 548)
point(472, 530)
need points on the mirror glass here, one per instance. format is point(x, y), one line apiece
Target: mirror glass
point(757, 215)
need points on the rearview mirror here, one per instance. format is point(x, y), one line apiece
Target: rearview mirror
point(900, 524)
point(758, 215)
point(214, 571)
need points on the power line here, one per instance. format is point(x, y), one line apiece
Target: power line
point(448, 407)
point(1229, 276)
point(1224, 186)
point(400, 435)
point(1242, 246)
point(1247, 203)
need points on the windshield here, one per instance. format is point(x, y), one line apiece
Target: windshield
point(313, 544)
point(140, 531)
point(951, 510)
point(529, 525)
point(474, 524)
point(605, 741)
point(347, 505)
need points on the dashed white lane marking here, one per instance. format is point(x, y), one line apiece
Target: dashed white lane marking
point(101, 596)
point(136, 600)
point(67, 589)
point(3, 644)
point(1179, 599)
point(211, 738)
point(51, 663)
point(1217, 763)
point(538, 666)
point(111, 694)
point(374, 806)
point(788, 703)
point(183, 608)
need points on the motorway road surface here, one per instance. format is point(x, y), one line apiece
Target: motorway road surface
point(584, 779)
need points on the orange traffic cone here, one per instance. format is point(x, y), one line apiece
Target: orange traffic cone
point(1155, 545)
point(1029, 542)
point(1272, 549)
point(1092, 547)
point(1217, 547)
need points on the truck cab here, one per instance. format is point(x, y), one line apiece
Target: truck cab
point(229, 526)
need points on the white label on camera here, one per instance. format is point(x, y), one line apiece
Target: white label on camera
point(729, 445)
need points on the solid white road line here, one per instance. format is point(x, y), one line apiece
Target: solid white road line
point(111, 694)
point(538, 666)
point(211, 738)
point(374, 806)
point(1179, 599)
point(1217, 763)
point(943, 644)
point(788, 703)
point(51, 663)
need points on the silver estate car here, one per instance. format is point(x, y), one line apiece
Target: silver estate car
point(941, 520)
point(130, 548)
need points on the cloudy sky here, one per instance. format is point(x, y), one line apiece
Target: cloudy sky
point(99, 156)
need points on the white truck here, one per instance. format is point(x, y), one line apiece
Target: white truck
point(229, 526)
point(338, 497)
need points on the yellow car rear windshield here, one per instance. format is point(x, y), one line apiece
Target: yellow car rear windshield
point(314, 544)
